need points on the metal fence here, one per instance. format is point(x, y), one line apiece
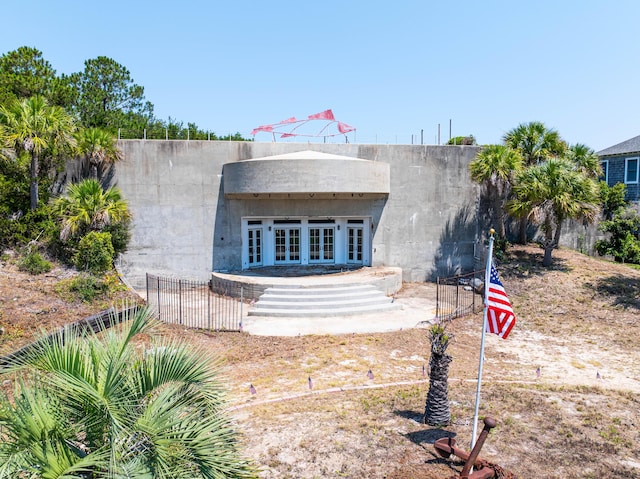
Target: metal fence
point(459, 295)
point(405, 138)
point(211, 305)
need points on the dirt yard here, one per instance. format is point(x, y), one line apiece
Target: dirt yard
point(564, 387)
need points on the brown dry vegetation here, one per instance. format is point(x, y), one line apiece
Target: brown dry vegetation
point(576, 321)
point(31, 305)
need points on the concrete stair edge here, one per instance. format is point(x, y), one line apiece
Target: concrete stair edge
point(321, 304)
point(319, 297)
point(351, 311)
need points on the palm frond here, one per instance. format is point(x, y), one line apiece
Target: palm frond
point(95, 405)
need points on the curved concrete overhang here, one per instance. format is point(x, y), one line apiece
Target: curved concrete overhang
point(387, 279)
point(306, 174)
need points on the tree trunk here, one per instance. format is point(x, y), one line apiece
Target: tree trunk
point(437, 412)
point(502, 230)
point(548, 250)
point(498, 214)
point(556, 238)
point(523, 230)
point(34, 182)
point(548, 244)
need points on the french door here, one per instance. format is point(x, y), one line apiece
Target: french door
point(283, 241)
point(322, 245)
point(355, 236)
point(254, 243)
point(287, 245)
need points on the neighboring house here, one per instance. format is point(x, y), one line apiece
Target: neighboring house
point(621, 164)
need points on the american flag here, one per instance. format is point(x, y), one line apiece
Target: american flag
point(500, 317)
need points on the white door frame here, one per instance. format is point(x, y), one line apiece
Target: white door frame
point(339, 227)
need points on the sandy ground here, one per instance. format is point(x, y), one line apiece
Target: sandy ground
point(563, 386)
point(533, 355)
point(414, 312)
point(570, 361)
point(350, 426)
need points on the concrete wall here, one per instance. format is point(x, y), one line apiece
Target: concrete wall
point(184, 226)
point(309, 174)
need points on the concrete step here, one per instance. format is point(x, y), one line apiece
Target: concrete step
point(321, 300)
point(327, 312)
point(321, 289)
point(269, 303)
point(358, 295)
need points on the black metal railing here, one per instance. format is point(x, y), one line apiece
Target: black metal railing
point(210, 305)
point(459, 295)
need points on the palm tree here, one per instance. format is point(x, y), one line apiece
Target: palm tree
point(5, 147)
point(549, 193)
point(535, 143)
point(98, 147)
point(437, 411)
point(585, 159)
point(86, 206)
point(95, 407)
point(33, 126)
point(495, 168)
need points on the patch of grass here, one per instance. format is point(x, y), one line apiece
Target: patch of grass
point(10, 333)
point(612, 434)
point(84, 287)
point(593, 419)
point(576, 364)
point(372, 402)
point(88, 288)
point(113, 282)
point(33, 263)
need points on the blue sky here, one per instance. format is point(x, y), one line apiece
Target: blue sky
point(390, 69)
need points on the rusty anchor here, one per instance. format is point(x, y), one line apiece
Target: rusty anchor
point(446, 446)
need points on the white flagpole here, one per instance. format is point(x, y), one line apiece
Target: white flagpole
point(487, 274)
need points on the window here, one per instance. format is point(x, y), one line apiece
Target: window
point(604, 164)
point(631, 170)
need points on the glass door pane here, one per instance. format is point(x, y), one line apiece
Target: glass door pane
point(321, 245)
point(294, 245)
point(254, 244)
point(327, 245)
point(354, 245)
point(281, 245)
point(287, 244)
point(314, 244)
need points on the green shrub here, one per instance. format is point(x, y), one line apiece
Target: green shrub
point(5, 233)
point(462, 140)
point(95, 253)
point(500, 246)
point(622, 240)
point(631, 249)
point(120, 236)
point(613, 199)
point(87, 287)
point(63, 251)
point(33, 262)
point(20, 229)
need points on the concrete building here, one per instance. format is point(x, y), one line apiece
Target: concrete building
point(203, 206)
